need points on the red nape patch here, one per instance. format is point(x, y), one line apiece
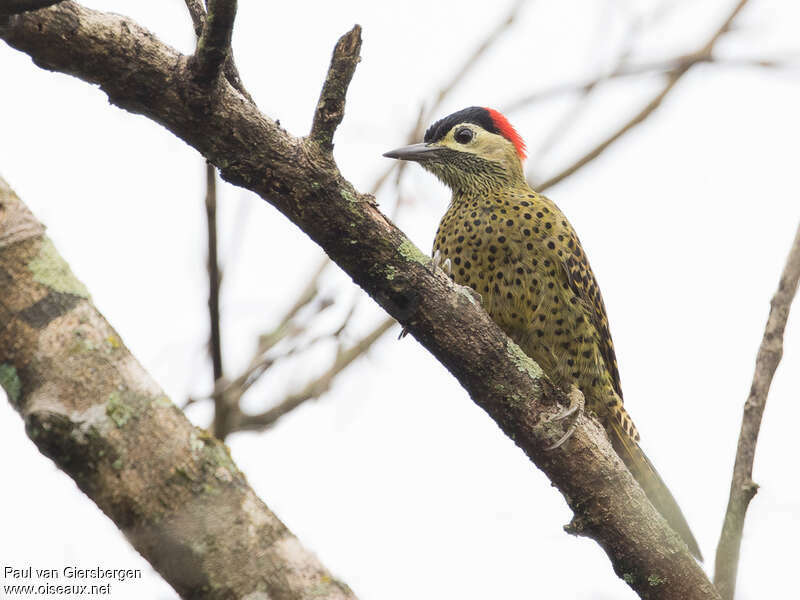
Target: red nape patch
point(507, 131)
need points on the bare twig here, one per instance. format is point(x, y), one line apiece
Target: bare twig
point(330, 107)
point(659, 67)
point(559, 129)
point(602, 146)
point(221, 404)
point(469, 63)
point(14, 7)
point(743, 488)
point(213, 270)
point(269, 339)
point(573, 87)
point(227, 394)
point(704, 54)
point(317, 387)
point(214, 43)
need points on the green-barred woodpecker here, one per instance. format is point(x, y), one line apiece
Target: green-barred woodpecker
point(517, 250)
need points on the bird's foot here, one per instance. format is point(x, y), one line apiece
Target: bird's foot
point(576, 404)
point(447, 267)
point(437, 262)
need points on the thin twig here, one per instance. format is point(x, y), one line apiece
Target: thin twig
point(221, 404)
point(213, 269)
point(214, 43)
point(602, 146)
point(427, 112)
point(317, 387)
point(673, 76)
point(559, 129)
point(330, 106)
point(573, 87)
point(743, 488)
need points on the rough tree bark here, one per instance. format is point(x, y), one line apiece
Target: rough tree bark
point(171, 488)
point(300, 178)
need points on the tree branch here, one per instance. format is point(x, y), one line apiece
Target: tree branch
point(260, 362)
point(214, 43)
point(171, 488)
point(317, 387)
point(143, 75)
point(13, 7)
point(198, 14)
point(222, 405)
point(330, 107)
point(743, 488)
point(673, 76)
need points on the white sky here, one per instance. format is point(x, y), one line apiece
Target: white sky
point(402, 486)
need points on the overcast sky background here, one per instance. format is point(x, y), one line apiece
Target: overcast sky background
point(402, 486)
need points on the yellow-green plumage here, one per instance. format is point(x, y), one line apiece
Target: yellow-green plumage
point(515, 248)
point(518, 251)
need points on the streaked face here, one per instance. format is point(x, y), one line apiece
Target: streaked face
point(473, 150)
point(470, 157)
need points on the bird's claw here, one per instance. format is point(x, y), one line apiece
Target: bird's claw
point(435, 260)
point(576, 404)
point(447, 267)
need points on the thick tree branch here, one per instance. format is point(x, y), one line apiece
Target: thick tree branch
point(171, 488)
point(13, 7)
point(143, 75)
point(743, 488)
point(214, 43)
point(330, 107)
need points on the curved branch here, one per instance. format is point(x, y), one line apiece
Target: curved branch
point(743, 488)
point(171, 488)
point(142, 75)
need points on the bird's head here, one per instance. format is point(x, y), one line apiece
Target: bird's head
point(474, 149)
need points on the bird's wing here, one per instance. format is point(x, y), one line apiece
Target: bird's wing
point(583, 284)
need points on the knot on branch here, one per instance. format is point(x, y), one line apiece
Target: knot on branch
point(330, 107)
point(749, 490)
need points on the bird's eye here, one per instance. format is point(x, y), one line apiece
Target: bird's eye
point(463, 135)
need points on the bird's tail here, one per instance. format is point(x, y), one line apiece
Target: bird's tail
point(643, 471)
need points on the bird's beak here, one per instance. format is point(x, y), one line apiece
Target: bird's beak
point(415, 152)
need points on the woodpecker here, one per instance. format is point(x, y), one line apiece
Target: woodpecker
point(516, 249)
